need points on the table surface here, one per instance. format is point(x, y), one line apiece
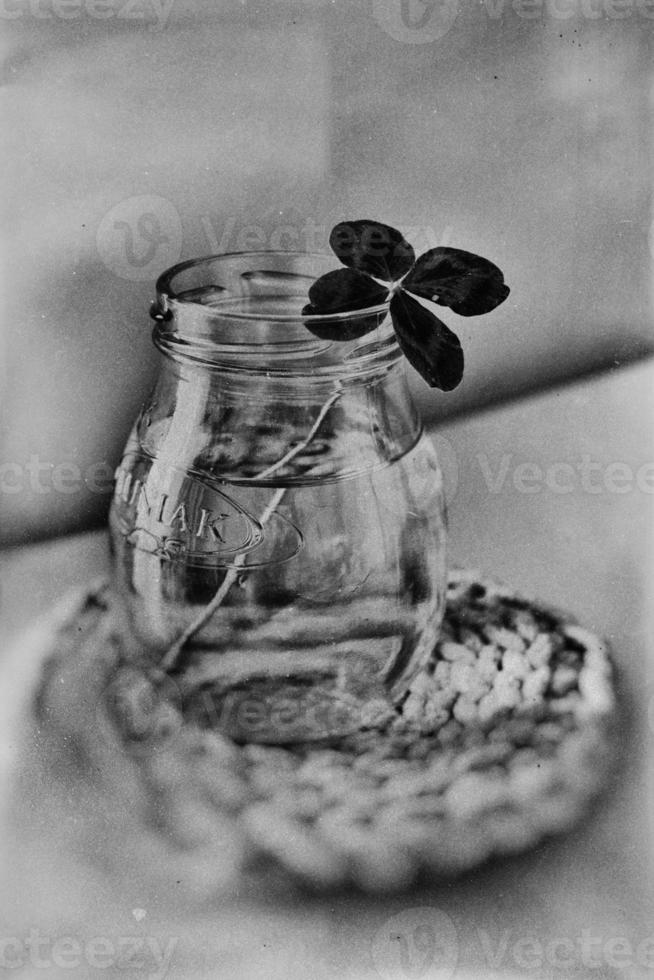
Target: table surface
point(552, 494)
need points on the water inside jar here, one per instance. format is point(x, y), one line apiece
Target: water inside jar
point(322, 619)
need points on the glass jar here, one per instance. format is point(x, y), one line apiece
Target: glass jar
point(278, 521)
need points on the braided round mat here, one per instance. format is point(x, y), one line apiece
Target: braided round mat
point(504, 739)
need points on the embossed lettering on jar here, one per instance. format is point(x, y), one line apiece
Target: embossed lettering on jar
point(278, 522)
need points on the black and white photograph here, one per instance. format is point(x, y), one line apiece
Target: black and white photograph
point(327, 490)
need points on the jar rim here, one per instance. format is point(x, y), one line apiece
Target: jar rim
point(166, 295)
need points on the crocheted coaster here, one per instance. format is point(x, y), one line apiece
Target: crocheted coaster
point(503, 739)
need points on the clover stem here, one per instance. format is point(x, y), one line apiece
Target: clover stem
point(176, 655)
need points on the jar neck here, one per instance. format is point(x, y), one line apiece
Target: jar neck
point(296, 357)
point(245, 314)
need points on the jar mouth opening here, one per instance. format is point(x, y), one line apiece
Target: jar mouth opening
point(223, 301)
point(242, 312)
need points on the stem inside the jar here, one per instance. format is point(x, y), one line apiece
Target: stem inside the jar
point(175, 657)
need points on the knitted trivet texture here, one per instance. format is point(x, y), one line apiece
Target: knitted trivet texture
point(504, 739)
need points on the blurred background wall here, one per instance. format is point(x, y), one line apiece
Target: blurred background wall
point(141, 132)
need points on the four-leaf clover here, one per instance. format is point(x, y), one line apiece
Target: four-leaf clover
point(380, 265)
